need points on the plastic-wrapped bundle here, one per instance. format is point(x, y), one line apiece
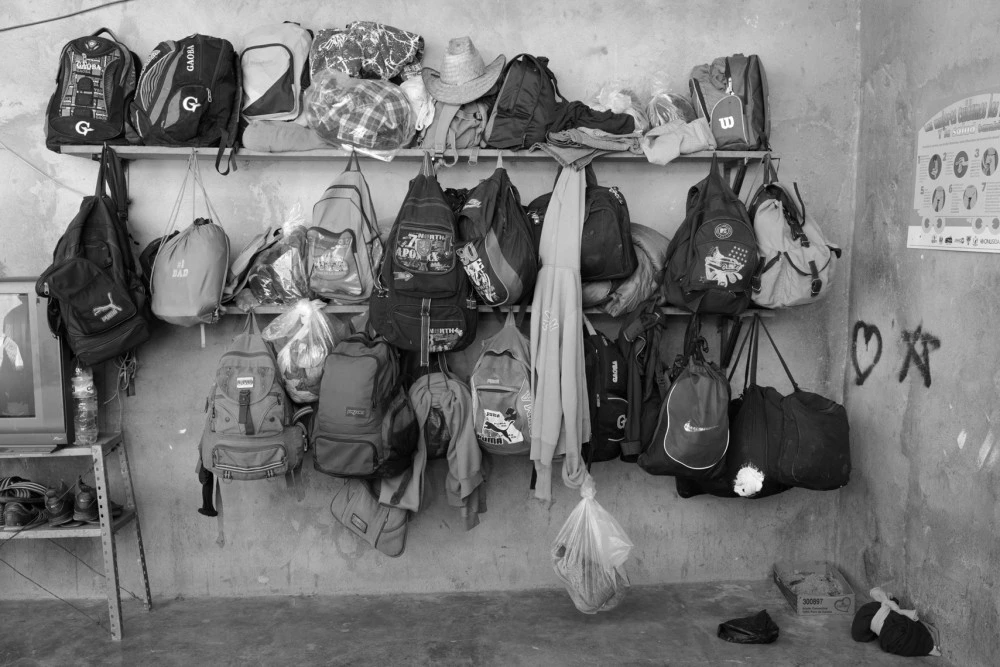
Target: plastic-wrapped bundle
point(278, 274)
point(367, 114)
point(664, 107)
point(589, 555)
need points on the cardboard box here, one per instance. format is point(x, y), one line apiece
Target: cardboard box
point(808, 586)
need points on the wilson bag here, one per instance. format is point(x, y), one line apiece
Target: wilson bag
point(344, 245)
point(365, 425)
point(692, 429)
point(189, 95)
point(97, 301)
point(526, 104)
point(274, 65)
point(456, 127)
point(497, 249)
point(94, 87)
point(188, 277)
point(250, 430)
point(422, 301)
point(712, 259)
point(607, 389)
point(356, 507)
point(502, 402)
point(731, 94)
point(642, 342)
point(606, 248)
point(796, 259)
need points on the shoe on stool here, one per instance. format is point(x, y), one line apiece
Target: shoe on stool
point(20, 516)
point(59, 505)
point(85, 504)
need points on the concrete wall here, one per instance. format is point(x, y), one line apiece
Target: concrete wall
point(278, 546)
point(921, 516)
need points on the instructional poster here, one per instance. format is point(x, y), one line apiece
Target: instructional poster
point(957, 191)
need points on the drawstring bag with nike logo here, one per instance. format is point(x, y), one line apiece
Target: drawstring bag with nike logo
point(692, 429)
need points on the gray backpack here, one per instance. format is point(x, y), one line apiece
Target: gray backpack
point(189, 272)
point(501, 392)
point(456, 127)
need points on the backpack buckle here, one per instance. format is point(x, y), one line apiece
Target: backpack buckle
point(816, 286)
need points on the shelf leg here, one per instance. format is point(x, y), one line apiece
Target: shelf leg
point(131, 504)
point(108, 544)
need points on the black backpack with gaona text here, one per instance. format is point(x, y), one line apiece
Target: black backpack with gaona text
point(607, 389)
point(189, 95)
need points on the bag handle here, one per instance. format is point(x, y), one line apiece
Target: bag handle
point(107, 30)
point(739, 355)
point(784, 365)
point(352, 159)
point(427, 168)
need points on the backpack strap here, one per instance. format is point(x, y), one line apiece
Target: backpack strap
point(443, 116)
point(698, 99)
point(230, 135)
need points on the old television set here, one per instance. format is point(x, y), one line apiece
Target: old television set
point(36, 410)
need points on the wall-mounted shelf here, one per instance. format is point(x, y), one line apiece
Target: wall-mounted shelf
point(354, 310)
point(486, 154)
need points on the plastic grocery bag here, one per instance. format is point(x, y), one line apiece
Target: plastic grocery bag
point(589, 555)
point(302, 338)
point(756, 629)
point(278, 275)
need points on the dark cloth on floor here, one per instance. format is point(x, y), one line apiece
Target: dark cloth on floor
point(578, 114)
point(899, 635)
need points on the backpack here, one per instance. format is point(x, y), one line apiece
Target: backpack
point(189, 95)
point(94, 87)
point(239, 271)
point(422, 299)
point(344, 245)
point(642, 342)
point(501, 392)
point(797, 261)
point(454, 128)
point(606, 248)
point(607, 388)
point(497, 251)
point(712, 259)
point(692, 428)
point(250, 430)
point(274, 67)
point(97, 301)
point(526, 104)
point(731, 94)
point(188, 276)
point(365, 425)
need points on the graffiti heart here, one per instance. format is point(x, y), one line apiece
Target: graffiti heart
point(866, 352)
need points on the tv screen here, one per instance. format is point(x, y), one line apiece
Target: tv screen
point(35, 411)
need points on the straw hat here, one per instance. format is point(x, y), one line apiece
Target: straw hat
point(464, 76)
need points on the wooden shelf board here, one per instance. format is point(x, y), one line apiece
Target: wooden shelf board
point(353, 310)
point(46, 532)
point(485, 155)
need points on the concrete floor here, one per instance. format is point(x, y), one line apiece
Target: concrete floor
point(661, 625)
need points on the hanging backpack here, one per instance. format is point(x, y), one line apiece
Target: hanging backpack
point(97, 301)
point(501, 392)
point(796, 259)
point(712, 259)
point(275, 72)
point(422, 300)
point(731, 94)
point(250, 431)
point(365, 425)
point(189, 95)
point(692, 429)
point(606, 248)
point(454, 128)
point(607, 388)
point(239, 271)
point(189, 272)
point(526, 105)
point(344, 245)
point(94, 87)
point(497, 249)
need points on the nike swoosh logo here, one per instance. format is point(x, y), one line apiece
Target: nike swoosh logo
point(696, 429)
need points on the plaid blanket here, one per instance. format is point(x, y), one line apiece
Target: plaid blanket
point(366, 113)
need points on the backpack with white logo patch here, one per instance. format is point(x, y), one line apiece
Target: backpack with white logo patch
point(274, 65)
point(731, 94)
point(797, 261)
point(189, 95)
point(607, 389)
point(497, 248)
point(97, 300)
point(692, 429)
point(712, 259)
point(94, 87)
point(189, 272)
point(501, 392)
point(365, 425)
point(344, 246)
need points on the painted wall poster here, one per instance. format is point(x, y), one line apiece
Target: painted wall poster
point(956, 196)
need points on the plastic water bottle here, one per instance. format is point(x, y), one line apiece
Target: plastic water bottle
point(85, 398)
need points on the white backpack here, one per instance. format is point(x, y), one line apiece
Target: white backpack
point(274, 62)
point(344, 246)
point(796, 264)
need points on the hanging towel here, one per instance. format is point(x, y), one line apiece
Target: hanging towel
point(561, 420)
